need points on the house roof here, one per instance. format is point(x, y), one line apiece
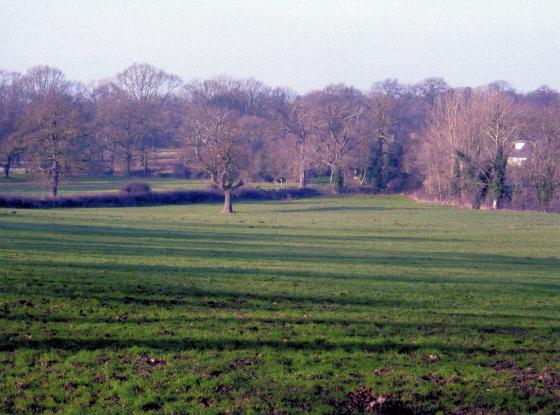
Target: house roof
point(521, 149)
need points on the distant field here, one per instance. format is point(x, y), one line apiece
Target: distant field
point(85, 184)
point(285, 307)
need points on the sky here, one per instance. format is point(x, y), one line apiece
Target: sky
point(301, 44)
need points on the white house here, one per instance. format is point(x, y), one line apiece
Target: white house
point(519, 154)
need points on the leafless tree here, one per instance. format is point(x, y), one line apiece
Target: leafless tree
point(469, 136)
point(336, 116)
point(11, 108)
point(542, 169)
point(51, 122)
point(299, 127)
point(383, 103)
point(431, 88)
point(214, 143)
point(140, 94)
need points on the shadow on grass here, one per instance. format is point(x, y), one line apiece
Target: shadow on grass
point(373, 337)
point(341, 209)
point(225, 343)
point(142, 293)
point(372, 325)
point(173, 296)
point(219, 246)
point(486, 264)
point(226, 232)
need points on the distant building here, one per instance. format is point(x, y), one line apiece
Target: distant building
point(519, 154)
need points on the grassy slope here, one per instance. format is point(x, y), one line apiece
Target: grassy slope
point(284, 306)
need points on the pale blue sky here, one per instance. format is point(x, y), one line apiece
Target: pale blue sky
point(302, 44)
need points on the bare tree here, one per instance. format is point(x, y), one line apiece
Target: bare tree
point(383, 106)
point(136, 109)
point(214, 144)
point(431, 88)
point(11, 106)
point(51, 124)
point(336, 115)
point(249, 97)
point(103, 144)
point(467, 142)
point(299, 126)
point(542, 169)
point(121, 123)
point(500, 131)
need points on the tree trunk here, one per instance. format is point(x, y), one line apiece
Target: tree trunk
point(338, 180)
point(479, 197)
point(146, 164)
point(7, 165)
point(374, 168)
point(228, 208)
point(127, 164)
point(55, 171)
point(497, 185)
point(302, 178)
point(363, 177)
point(302, 164)
point(111, 163)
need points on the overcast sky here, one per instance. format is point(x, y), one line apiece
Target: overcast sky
point(302, 44)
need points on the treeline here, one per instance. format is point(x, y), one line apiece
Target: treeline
point(451, 144)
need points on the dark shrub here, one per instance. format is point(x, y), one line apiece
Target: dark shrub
point(135, 188)
point(259, 194)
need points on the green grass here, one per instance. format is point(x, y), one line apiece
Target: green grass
point(75, 185)
point(88, 184)
point(284, 307)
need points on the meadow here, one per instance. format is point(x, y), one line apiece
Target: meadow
point(76, 185)
point(353, 304)
point(80, 185)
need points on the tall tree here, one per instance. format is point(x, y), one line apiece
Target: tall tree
point(542, 169)
point(137, 111)
point(468, 139)
point(214, 143)
point(384, 104)
point(298, 125)
point(51, 122)
point(430, 89)
point(103, 142)
point(500, 131)
point(336, 114)
point(11, 106)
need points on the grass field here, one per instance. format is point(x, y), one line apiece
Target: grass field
point(85, 184)
point(76, 185)
point(304, 306)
